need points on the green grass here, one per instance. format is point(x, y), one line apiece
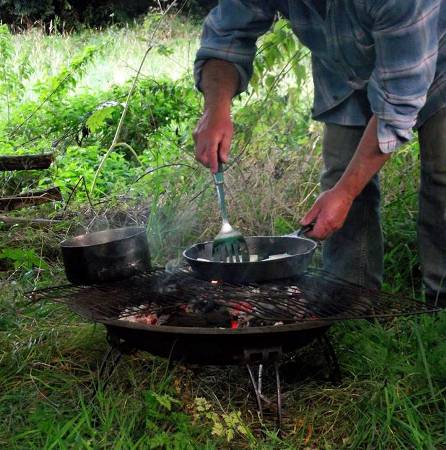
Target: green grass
point(393, 392)
point(125, 47)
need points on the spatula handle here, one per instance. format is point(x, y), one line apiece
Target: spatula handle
point(219, 185)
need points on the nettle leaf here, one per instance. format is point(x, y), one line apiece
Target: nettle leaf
point(101, 114)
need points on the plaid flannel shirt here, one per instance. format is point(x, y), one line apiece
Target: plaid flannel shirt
point(386, 57)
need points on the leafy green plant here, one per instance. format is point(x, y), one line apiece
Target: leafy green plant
point(167, 425)
point(99, 116)
point(226, 425)
point(23, 259)
point(280, 56)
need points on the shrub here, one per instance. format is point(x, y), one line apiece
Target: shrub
point(62, 14)
point(24, 13)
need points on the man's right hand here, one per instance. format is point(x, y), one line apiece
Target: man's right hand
point(212, 137)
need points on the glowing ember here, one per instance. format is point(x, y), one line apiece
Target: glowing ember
point(218, 309)
point(234, 315)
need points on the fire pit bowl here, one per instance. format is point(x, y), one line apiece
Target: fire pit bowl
point(106, 255)
point(214, 346)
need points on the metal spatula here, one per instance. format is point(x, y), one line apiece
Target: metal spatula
point(229, 245)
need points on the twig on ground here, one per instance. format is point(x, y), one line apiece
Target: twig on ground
point(10, 221)
point(30, 199)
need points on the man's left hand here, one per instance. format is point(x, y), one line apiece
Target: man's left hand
point(328, 213)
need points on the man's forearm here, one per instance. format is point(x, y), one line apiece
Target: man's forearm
point(366, 162)
point(219, 83)
point(213, 134)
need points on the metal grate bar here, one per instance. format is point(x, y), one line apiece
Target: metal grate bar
point(315, 294)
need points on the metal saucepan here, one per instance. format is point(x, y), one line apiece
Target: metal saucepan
point(106, 255)
point(276, 257)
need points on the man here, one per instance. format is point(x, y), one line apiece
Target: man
point(379, 70)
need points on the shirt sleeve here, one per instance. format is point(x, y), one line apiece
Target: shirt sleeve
point(230, 33)
point(406, 46)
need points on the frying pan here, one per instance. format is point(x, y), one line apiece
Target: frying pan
point(106, 255)
point(277, 257)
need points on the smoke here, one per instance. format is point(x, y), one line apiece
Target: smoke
point(176, 211)
point(171, 229)
point(98, 223)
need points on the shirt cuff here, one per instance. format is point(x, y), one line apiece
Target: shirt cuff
point(391, 138)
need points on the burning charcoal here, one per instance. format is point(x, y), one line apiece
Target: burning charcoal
point(294, 290)
point(240, 308)
point(149, 319)
point(130, 311)
point(216, 318)
point(152, 319)
point(241, 319)
point(205, 306)
point(128, 318)
point(186, 308)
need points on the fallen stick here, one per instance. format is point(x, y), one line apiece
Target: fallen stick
point(10, 221)
point(26, 162)
point(30, 199)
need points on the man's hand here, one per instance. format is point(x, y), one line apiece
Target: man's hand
point(328, 213)
point(212, 137)
point(331, 208)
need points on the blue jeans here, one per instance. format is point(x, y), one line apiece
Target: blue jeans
point(355, 253)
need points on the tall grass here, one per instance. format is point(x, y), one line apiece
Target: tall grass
point(177, 43)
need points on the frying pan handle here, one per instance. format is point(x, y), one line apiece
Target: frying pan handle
point(302, 231)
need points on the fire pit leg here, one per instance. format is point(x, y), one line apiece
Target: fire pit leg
point(257, 388)
point(331, 358)
point(259, 378)
point(112, 356)
point(279, 396)
point(265, 356)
